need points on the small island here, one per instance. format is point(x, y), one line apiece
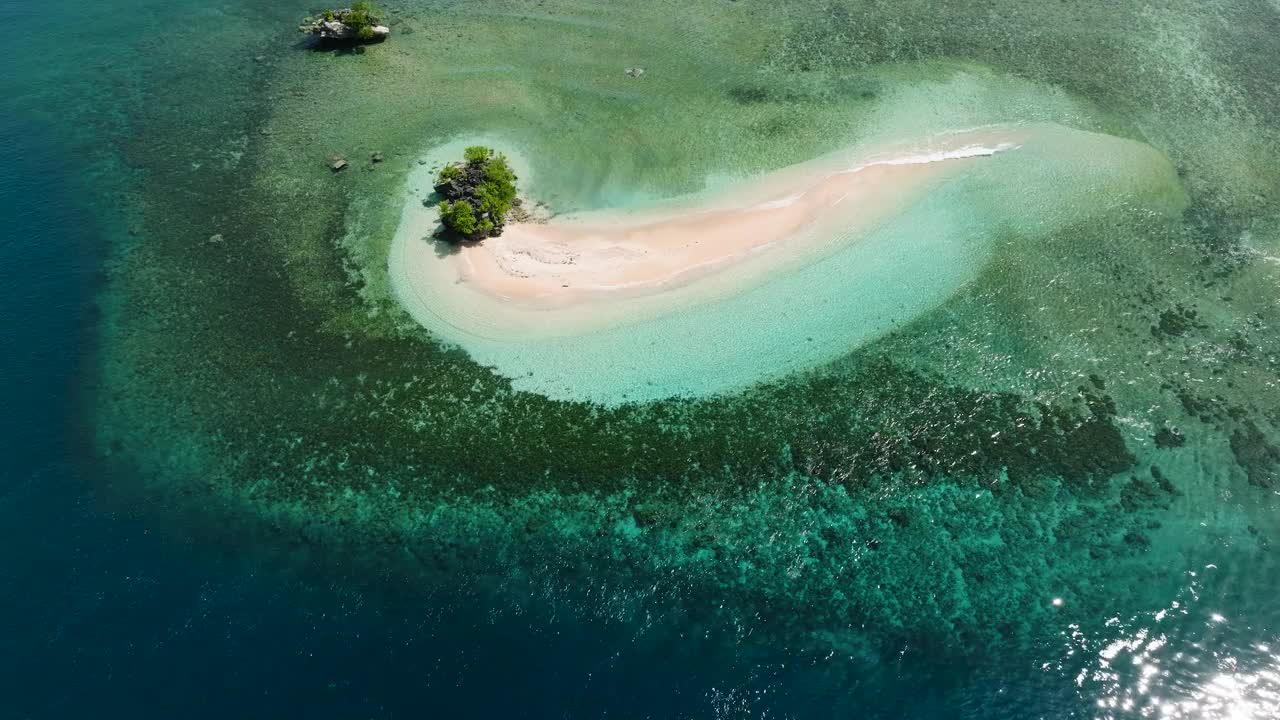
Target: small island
point(715, 291)
point(360, 23)
point(478, 194)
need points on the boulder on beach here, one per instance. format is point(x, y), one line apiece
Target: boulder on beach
point(360, 23)
point(335, 30)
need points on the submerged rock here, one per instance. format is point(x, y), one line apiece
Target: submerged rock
point(1169, 437)
point(339, 165)
point(635, 72)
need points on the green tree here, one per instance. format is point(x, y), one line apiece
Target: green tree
point(500, 184)
point(478, 193)
point(476, 154)
point(498, 172)
point(459, 217)
point(361, 19)
point(450, 173)
point(368, 9)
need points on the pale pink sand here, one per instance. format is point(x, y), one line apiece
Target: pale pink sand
point(597, 269)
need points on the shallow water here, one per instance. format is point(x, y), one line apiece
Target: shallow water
point(240, 479)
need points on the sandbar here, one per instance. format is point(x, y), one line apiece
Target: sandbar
point(770, 275)
point(579, 273)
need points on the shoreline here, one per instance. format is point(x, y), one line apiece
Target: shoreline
point(580, 273)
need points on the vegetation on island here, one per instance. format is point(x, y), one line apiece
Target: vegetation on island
point(362, 22)
point(478, 193)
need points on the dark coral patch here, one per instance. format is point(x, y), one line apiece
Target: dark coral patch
point(1257, 455)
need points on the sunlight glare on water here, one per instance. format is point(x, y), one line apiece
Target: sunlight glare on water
point(1182, 662)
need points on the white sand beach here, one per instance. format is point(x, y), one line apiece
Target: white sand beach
point(579, 273)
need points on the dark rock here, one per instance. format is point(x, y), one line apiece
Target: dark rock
point(645, 516)
point(899, 517)
point(1169, 437)
point(1195, 406)
point(1137, 494)
point(1104, 406)
point(1137, 539)
point(748, 94)
point(1175, 322)
point(829, 536)
point(376, 157)
point(337, 30)
point(1162, 482)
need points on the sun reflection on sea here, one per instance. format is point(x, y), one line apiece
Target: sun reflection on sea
point(1182, 661)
